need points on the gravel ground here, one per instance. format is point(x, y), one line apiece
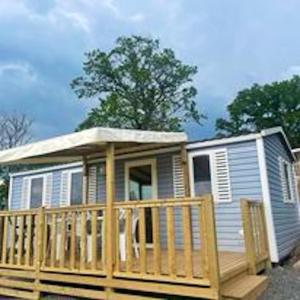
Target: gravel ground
point(284, 284)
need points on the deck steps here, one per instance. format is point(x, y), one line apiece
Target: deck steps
point(247, 287)
point(17, 288)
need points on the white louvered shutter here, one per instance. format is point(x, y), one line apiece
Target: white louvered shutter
point(92, 193)
point(25, 201)
point(65, 189)
point(178, 177)
point(48, 190)
point(295, 187)
point(222, 176)
point(286, 181)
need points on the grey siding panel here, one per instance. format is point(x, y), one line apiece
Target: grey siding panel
point(285, 215)
point(56, 186)
point(245, 183)
point(16, 193)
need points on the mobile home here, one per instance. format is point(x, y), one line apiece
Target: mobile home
point(145, 206)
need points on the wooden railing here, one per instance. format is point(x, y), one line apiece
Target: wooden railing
point(255, 233)
point(179, 246)
point(73, 239)
point(182, 241)
point(18, 242)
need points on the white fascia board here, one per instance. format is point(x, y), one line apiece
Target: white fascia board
point(242, 138)
point(267, 200)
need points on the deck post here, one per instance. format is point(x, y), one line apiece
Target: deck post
point(211, 243)
point(185, 170)
point(85, 181)
point(249, 241)
point(39, 249)
point(109, 216)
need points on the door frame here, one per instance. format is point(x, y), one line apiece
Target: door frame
point(137, 163)
point(142, 162)
point(210, 154)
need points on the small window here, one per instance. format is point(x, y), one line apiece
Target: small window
point(287, 180)
point(286, 169)
point(76, 188)
point(36, 192)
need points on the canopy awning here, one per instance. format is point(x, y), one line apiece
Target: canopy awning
point(73, 147)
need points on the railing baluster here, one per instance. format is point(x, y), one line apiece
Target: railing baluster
point(203, 242)
point(249, 235)
point(20, 240)
point(187, 239)
point(13, 240)
point(94, 239)
point(46, 242)
point(117, 264)
point(128, 240)
point(142, 240)
point(83, 251)
point(28, 239)
point(53, 240)
point(62, 240)
point(4, 244)
point(73, 242)
point(156, 240)
point(171, 242)
point(103, 240)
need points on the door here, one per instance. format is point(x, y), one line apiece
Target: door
point(141, 185)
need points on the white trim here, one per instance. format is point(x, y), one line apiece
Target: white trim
point(287, 181)
point(214, 188)
point(242, 138)
point(267, 199)
point(10, 192)
point(48, 169)
point(43, 176)
point(142, 162)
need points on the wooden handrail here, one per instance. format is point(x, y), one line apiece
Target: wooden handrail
point(255, 233)
point(73, 240)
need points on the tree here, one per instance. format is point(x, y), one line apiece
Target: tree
point(15, 130)
point(265, 106)
point(138, 86)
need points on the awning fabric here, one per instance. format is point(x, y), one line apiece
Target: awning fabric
point(72, 147)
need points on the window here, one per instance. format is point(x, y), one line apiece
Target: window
point(202, 175)
point(76, 188)
point(286, 170)
point(209, 173)
point(36, 192)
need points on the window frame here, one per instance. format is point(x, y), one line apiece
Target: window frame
point(213, 172)
point(287, 181)
point(70, 173)
point(30, 178)
point(142, 162)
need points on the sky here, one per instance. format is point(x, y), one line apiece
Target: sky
point(233, 43)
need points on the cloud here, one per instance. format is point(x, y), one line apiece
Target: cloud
point(290, 72)
point(233, 43)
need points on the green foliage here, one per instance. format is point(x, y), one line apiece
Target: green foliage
point(138, 86)
point(265, 106)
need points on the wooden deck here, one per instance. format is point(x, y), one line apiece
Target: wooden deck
point(229, 262)
point(65, 251)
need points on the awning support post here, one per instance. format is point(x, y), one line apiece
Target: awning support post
point(185, 169)
point(85, 181)
point(109, 217)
